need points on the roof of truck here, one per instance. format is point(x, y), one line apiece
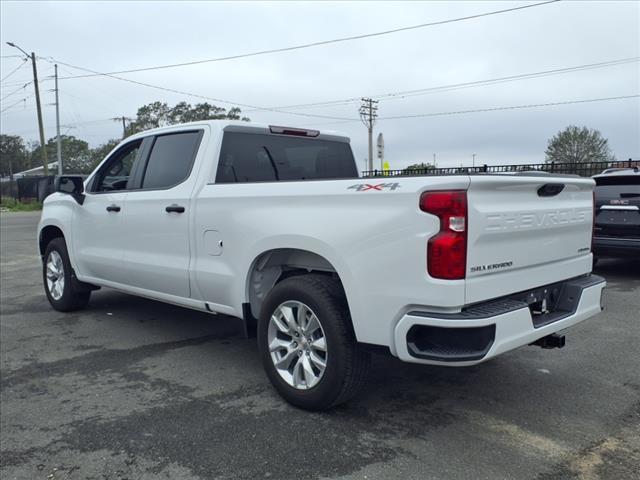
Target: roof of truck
point(249, 127)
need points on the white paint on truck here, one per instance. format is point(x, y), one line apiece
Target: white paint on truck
point(370, 232)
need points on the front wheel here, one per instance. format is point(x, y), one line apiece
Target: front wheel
point(308, 349)
point(57, 276)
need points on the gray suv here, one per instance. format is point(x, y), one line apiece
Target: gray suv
point(617, 213)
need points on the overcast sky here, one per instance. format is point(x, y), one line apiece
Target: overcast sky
point(112, 36)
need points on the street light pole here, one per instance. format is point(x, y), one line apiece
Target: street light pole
point(43, 150)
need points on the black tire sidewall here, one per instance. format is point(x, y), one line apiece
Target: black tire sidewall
point(70, 299)
point(331, 314)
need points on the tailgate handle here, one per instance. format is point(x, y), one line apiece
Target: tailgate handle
point(550, 189)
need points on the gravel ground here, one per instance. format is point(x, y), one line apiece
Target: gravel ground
point(131, 388)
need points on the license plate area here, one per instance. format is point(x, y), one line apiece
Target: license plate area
point(553, 302)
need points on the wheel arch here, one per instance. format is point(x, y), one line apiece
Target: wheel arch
point(274, 265)
point(48, 233)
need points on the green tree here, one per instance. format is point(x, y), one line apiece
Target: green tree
point(159, 114)
point(75, 154)
point(578, 145)
point(96, 155)
point(13, 155)
point(418, 167)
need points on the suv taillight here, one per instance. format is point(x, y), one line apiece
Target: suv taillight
point(447, 250)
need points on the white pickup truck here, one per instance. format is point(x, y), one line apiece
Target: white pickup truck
point(273, 225)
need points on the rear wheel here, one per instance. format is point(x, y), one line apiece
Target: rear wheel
point(308, 349)
point(57, 275)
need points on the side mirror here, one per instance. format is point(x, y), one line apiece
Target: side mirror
point(71, 185)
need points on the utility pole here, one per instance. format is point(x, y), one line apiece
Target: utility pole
point(43, 149)
point(58, 139)
point(122, 119)
point(45, 165)
point(368, 113)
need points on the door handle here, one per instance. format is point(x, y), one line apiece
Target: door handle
point(174, 208)
point(113, 208)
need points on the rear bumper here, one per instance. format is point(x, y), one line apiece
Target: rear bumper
point(615, 247)
point(484, 331)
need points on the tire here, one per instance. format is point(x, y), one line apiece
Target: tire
point(66, 297)
point(346, 364)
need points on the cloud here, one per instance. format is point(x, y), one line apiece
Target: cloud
point(104, 37)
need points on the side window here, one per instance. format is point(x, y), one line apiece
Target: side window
point(171, 159)
point(115, 174)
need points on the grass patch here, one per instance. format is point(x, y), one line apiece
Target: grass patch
point(12, 205)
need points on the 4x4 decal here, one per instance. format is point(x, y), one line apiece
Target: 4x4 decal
point(363, 187)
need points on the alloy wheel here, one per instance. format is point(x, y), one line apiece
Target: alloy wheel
point(55, 275)
point(297, 345)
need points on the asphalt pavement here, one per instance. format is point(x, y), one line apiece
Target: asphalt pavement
point(135, 389)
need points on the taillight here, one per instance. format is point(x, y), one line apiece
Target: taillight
point(447, 250)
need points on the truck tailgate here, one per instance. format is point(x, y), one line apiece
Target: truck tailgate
point(526, 231)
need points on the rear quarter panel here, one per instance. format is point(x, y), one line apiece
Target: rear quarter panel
point(375, 239)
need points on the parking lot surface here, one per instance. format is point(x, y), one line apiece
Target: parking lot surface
point(132, 388)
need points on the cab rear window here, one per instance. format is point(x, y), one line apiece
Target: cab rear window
point(251, 157)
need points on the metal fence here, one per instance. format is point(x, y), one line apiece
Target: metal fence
point(582, 169)
point(34, 188)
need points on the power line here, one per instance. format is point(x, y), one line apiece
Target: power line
point(11, 56)
point(319, 43)
point(16, 103)
point(14, 70)
point(15, 83)
point(491, 109)
point(510, 78)
point(87, 122)
point(195, 95)
point(456, 86)
point(27, 108)
point(512, 107)
point(15, 91)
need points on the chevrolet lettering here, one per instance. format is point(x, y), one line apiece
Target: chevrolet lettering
point(522, 220)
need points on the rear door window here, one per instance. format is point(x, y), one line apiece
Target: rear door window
point(171, 159)
point(249, 157)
